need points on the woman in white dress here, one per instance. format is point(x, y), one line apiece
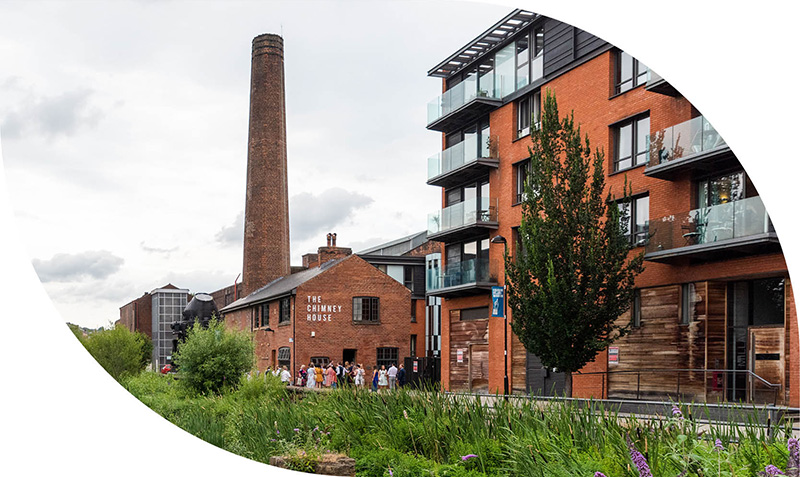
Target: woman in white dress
point(383, 379)
point(311, 376)
point(359, 381)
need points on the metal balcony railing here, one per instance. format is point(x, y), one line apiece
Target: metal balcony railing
point(465, 152)
point(467, 272)
point(459, 95)
point(469, 212)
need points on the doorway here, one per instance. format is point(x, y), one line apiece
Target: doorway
point(349, 356)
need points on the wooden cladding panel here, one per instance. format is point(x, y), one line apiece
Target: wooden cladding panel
point(518, 364)
point(662, 342)
point(463, 334)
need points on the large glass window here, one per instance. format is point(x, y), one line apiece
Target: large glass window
point(521, 171)
point(537, 64)
point(504, 70)
point(632, 143)
point(263, 319)
point(721, 190)
point(630, 73)
point(635, 217)
point(284, 356)
point(523, 60)
point(528, 113)
point(366, 309)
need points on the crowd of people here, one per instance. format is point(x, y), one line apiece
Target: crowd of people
point(332, 375)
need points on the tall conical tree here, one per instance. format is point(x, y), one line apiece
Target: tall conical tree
point(572, 276)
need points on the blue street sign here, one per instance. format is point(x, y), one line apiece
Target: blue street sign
point(498, 310)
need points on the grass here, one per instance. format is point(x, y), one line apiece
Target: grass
point(430, 433)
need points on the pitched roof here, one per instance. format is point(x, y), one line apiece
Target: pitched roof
point(280, 286)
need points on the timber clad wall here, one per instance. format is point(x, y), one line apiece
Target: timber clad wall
point(793, 347)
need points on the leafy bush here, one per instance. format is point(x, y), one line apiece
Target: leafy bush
point(119, 351)
point(214, 357)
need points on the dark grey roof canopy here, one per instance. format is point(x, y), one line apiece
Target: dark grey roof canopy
point(280, 287)
point(483, 43)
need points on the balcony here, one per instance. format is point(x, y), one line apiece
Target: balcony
point(462, 103)
point(731, 230)
point(463, 162)
point(692, 145)
point(657, 84)
point(470, 277)
point(463, 220)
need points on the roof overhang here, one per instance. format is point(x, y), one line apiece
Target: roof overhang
point(483, 43)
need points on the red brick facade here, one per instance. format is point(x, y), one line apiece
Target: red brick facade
point(587, 90)
point(334, 289)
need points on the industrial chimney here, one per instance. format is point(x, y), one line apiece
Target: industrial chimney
point(266, 213)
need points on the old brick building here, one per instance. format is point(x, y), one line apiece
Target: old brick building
point(341, 309)
point(715, 298)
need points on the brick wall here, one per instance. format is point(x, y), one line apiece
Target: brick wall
point(137, 315)
point(266, 228)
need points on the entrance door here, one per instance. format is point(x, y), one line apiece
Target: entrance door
point(766, 360)
point(348, 356)
point(541, 381)
point(479, 368)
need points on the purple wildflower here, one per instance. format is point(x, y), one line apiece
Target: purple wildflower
point(468, 457)
point(772, 470)
point(794, 455)
point(676, 412)
point(277, 432)
point(599, 474)
point(391, 474)
point(718, 447)
point(296, 430)
point(639, 460)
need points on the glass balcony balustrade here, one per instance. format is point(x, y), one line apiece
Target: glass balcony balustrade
point(469, 212)
point(467, 272)
point(463, 153)
point(459, 95)
point(683, 141)
point(712, 224)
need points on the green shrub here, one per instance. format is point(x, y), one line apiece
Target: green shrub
point(119, 351)
point(213, 358)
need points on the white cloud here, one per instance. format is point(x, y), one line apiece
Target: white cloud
point(312, 214)
point(64, 267)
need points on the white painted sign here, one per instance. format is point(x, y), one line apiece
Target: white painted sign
point(317, 310)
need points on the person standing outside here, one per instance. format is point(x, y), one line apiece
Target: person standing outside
point(392, 374)
point(374, 379)
point(383, 379)
point(286, 376)
point(311, 381)
point(401, 376)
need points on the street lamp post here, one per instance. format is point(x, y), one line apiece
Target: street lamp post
point(502, 240)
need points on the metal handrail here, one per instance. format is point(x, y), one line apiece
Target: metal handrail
point(774, 387)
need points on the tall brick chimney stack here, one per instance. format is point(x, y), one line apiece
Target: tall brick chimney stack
point(266, 213)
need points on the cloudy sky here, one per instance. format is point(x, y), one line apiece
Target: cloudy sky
point(124, 128)
point(124, 131)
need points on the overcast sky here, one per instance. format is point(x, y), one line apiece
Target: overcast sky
point(124, 130)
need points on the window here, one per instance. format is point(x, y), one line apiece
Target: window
point(519, 249)
point(387, 357)
point(284, 356)
point(408, 277)
point(412, 348)
point(721, 190)
point(635, 219)
point(466, 262)
point(366, 309)
point(481, 313)
point(413, 311)
point(523, 59)
point(632, 143)
point(537, 65)
point(528, 114)
point(285, 310)
point(521, 171)
point(688, 299)
point(263, 319)
point(630, 73)
point(320, 360)
point(636, 309)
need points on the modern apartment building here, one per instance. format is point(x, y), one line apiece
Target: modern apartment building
point(714, 316)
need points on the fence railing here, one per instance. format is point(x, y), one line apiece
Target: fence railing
point(465, 152)
point(683, 140)
point(469, 212)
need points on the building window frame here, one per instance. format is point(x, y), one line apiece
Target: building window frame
point(320, 361)
point(636, 309)
point(629, 73)
point(631, 142)
point(366, 309)
point(474, 314)
point(386, 356)
point(413, 310)
point(262, 317)
point(412, 346)
point(521, 173)
point(638, 233)
point(529, 114)
point(687, 296)
point(284, 356)
point(285, 313)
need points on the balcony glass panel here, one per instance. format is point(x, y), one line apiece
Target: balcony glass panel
point(469, 212)
point(474, 270)
point(459, 95)
point(683, 140)
point(465, 152)
point(716, 223)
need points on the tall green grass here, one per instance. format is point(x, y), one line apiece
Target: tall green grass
point(431, 433)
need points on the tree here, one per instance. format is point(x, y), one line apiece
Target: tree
point(213, 357)
point(119, 351)
point(572, 277)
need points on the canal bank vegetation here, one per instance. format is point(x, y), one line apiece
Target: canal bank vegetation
point(419, 433)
